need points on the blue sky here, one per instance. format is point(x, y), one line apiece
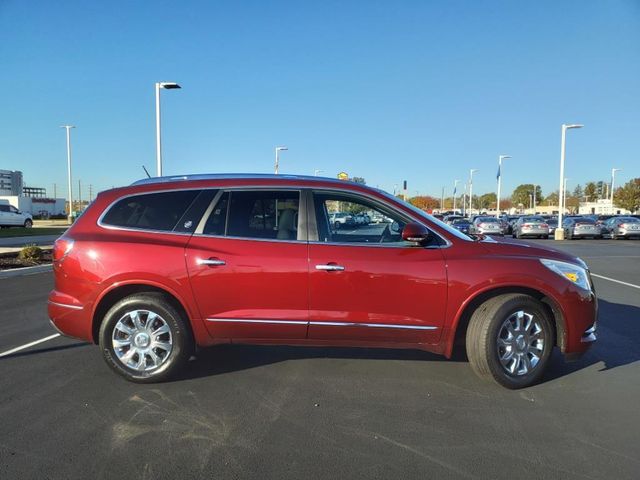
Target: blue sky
point(416, 90)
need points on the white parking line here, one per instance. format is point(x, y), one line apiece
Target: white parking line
point(616, 281)
point(22, 347)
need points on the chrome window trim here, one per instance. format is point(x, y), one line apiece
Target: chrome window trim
point(106, 226)
point(372, 325)
point(207, 213)
point(447, 242)
point(255, 320)
point(72, 307)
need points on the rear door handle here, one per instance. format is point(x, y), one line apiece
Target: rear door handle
point(330, 267)
point(212, 262)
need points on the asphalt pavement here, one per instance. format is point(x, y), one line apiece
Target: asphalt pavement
point(284, 412)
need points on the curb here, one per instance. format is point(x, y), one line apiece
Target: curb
point(18, 272)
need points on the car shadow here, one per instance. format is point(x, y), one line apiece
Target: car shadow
point(617, 345)
point(37, 351)
point(222, 359)
point(618, 341)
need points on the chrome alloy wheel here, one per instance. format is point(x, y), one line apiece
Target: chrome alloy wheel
point(142, 340)
point(520, 343)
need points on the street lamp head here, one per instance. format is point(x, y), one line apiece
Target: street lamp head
point(573, 125)
point(615, 170)
point(503, 157)
point(168, 85)
point(67, 126)
point(280, 148)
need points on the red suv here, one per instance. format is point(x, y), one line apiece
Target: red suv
point(152, 271)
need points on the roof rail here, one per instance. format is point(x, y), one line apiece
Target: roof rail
point(227, 176)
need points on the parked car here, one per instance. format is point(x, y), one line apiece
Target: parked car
point(341, 220)
point(580, 227)
point(449, 219)
point(361, 219)
point(151, 271)
point(621, 227)
point(531, 227)
point(508, 221)
point(553, 224)
point(487, 226)
point(10, 216)
point(461, 224)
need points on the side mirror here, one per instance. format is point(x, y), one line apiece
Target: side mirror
point(416, 232)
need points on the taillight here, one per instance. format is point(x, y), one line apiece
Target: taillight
point(544, 225)
point(483, 225)
point(624, 225)
point(61, 248)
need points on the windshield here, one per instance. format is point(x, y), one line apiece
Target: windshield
point(629, 220)
point(431, 218)
point(533, 219)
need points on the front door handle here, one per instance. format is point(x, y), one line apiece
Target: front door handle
point(212, 262)
point(330, 267)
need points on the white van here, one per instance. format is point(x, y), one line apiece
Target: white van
point(10, 216)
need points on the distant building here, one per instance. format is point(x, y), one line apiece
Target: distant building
point(11, 182)
point(601, 207)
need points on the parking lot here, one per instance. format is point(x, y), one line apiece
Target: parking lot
point(285, 412)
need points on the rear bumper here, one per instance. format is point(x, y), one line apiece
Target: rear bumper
point(69, 317)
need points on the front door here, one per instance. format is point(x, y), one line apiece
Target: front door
point(366, 284)
point(247, 264)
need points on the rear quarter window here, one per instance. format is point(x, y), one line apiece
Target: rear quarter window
point(150, 211)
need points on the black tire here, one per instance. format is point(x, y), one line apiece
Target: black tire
point(337, 225)
point(545, 237)
point(28, 223)
point(482, 339)
point(180, 335)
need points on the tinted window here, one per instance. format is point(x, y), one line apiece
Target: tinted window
point(217, 221)
point(191, 218)
point(153, 211)
point(4, 208)
point(256, 214)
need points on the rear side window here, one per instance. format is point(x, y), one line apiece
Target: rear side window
point(150, 211)
point(256, 214)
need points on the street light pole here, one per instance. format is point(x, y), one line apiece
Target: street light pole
point(316, 172)
point(455, 186)
point(559, 235)
point(535, 192)
point(68, 128)
point(500, 159)
point(564, 195)
point(166, 86)
point(278, 150)
point(613, 179)
point(471, 172)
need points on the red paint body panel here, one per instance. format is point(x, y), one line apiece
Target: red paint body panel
point(277, 280)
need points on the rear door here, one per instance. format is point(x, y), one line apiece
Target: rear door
point(366, 284)
point(248, 268)
point(4, 214)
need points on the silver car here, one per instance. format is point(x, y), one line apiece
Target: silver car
point(531, 227)
point(580, 227)
point(487, 226)
point(621, 227)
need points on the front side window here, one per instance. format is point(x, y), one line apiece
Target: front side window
point(262, 214)
point(344, 218)
point(151, 211)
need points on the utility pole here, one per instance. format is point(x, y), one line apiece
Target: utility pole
point(55, 191)
point(90, 193)
point(79, 195)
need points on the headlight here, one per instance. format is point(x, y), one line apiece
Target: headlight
point(574, 273)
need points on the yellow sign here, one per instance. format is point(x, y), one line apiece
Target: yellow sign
point(343, 176)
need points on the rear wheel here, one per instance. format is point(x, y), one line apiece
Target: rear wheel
point(545, 237)
point(337, 225)
point(28, 223)
point(145, 339)
point(509, 340)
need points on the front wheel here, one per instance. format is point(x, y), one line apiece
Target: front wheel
point(509, 340)
point(28, 223)
point(145, 339)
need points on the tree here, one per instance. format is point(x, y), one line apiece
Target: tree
point(521, 195)
point(578, 192)
point(359, 180)
point(488, 200)
point(628, 196)
point(424, 202)
point(552, 199)
point(590, 191)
